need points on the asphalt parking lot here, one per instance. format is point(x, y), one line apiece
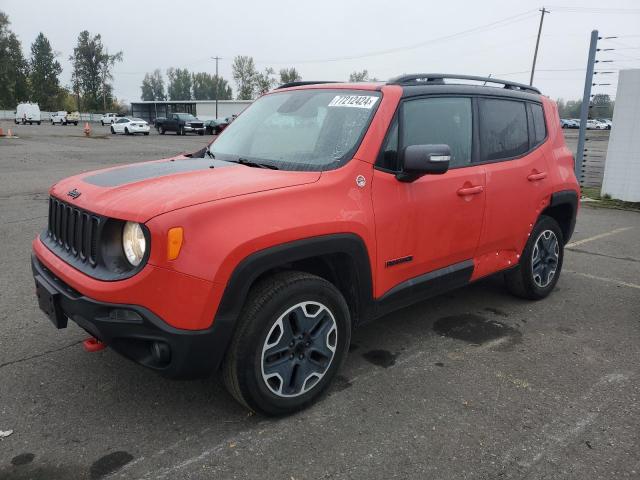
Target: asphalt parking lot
point(474, 384)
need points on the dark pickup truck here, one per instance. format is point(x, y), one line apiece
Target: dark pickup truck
point(181, 123)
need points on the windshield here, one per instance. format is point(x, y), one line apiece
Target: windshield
point(299, 130)
point(185, 116)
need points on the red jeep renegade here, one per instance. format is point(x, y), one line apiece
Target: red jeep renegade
point(323, 206)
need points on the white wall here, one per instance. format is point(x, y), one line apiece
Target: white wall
point(622, 167)
point(226, 108)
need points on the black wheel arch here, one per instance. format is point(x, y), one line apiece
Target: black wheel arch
point(342, 259)
point(563, 208)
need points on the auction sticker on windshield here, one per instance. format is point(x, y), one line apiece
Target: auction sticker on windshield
point(354, 101)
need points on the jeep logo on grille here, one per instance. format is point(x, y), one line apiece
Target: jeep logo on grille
point(74, 193)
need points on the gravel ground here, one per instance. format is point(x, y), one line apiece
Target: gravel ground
point(474, 384)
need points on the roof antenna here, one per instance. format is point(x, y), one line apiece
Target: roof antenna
point(485, 82)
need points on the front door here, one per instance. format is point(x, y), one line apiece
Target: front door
point(435, 221)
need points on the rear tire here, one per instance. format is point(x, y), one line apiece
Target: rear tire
point(291, 338)
point(161, 130)
point(541, 262)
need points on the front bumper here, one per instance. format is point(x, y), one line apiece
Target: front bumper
point(189, 128)
point(134, 331)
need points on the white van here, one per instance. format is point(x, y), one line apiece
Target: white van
point(27, 113)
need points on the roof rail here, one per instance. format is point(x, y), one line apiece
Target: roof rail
point(299, 84)
point(439, 79)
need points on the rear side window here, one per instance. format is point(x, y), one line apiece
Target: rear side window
point(503, 129)
point(439, 120)
point(539, 128)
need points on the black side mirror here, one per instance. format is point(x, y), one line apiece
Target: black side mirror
point(418, 160)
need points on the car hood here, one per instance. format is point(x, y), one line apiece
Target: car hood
point(141, 191)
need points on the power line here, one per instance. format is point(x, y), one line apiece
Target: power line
point(622, 11)
point(495, 24)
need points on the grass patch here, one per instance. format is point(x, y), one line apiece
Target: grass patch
point(606, 201)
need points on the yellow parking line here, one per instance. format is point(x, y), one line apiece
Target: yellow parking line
point(604, 279)
point(596, 237)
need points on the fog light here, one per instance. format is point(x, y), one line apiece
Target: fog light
point(161, 353)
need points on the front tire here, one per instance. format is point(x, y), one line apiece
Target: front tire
point(113, 132)
point(292, 337)
point(126, 131)
point(541, 262)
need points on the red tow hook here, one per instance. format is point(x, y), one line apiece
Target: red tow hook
point(92, 344)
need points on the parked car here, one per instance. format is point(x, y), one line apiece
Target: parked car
point(606, 122)
point(27, 113)
point(593, 124)
point(73, 117)
point(215, 126)
point(257, 255)
point(59, 117)
point(108, 118)
point(130, 126)
point(568, 123)
point(181, 123)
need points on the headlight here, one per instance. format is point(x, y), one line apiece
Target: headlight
point(133, 243)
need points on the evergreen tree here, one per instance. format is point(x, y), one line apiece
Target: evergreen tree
point(44, 72)
point(14, 69)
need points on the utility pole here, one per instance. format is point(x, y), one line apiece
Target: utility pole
point(535, 53)
point(216, 58)
point(586, 101)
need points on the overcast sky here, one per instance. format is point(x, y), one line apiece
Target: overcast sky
point(328, 39)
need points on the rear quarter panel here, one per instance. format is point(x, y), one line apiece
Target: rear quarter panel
point(561, 159)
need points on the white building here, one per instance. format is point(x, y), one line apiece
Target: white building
point(622, 168)
point(203, 109)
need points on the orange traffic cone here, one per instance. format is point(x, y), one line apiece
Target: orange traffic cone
point(1, 132)
point(87, 129)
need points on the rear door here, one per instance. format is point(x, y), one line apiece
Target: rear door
point(435, 221)
point(512, 133)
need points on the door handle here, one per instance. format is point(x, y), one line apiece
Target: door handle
point(537, 176)
point(463, 192)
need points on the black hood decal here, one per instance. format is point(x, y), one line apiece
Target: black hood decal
point(145, 171)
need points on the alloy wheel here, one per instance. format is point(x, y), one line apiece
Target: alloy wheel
point(299, 349)
point(544, 259)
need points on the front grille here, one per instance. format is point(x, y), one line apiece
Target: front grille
point(74, 230)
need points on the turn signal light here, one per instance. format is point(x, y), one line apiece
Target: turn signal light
point(175, 236)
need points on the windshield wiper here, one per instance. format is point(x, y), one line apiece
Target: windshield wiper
point(251, 163)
